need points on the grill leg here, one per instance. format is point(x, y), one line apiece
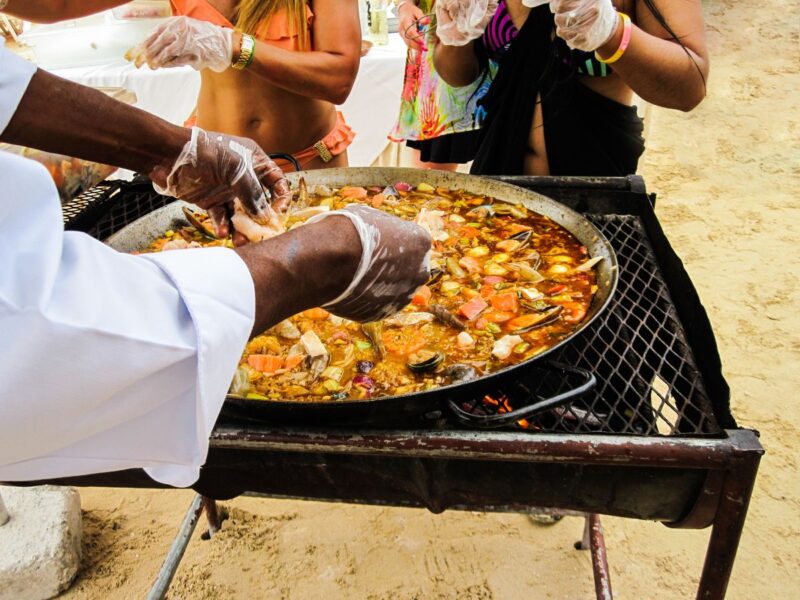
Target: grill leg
point(597, 541)
point(179, 544)
point(727, 530)
point(594, 540)
point(212, 515)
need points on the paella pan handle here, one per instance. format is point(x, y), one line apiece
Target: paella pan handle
point(541, 405)
point(287, 157)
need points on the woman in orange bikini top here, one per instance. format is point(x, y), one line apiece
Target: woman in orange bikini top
point(271, 70)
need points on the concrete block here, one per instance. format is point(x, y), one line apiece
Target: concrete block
point(40, 545)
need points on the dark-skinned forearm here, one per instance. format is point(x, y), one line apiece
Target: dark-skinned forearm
point(56, 115)
point(457, 65)
point(301, 269)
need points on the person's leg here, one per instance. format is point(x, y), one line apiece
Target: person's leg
point(418, 163)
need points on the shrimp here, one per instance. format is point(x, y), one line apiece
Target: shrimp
point(253, 230)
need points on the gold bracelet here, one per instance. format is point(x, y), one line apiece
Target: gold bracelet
point(246, 53)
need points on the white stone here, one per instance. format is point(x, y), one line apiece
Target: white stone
point(40, 545)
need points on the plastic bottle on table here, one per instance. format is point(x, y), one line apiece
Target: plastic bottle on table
point(379, 22)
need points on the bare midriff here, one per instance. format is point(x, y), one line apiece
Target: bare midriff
point(241, 103)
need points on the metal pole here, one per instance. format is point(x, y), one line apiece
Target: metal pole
point(4, 516)
point(212, 516)
point(179, 544)
point(727, 530)
point(602, 577)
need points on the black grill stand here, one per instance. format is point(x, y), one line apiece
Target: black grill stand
point(655, 440)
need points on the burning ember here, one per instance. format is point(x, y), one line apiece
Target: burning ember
point(495, 406)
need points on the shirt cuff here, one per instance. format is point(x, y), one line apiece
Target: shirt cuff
point(15, 76)
point(220, 297)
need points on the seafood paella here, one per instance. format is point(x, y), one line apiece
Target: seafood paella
point(506, 285)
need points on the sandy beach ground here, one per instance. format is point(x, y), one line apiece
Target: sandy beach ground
point(727, 177)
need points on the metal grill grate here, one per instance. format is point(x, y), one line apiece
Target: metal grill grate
point(648, 380)
point(110, 206)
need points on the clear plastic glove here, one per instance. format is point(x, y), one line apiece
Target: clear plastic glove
point(185, 41)
point(395, 261)
point(458, 22)
point(584, 24)
point(534, 3)
point(212, 170)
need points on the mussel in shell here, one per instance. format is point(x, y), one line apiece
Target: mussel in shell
point(460, 373)
point(481, 212)
point(523, 237)
point(374, 332)
point(436, 275)
point(194, 221)
point(446, 317)
point(536, 320)
point(425, 360)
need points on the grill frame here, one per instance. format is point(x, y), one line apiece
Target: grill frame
point(681, 480)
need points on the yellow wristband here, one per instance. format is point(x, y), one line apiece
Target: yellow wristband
point(627, 30)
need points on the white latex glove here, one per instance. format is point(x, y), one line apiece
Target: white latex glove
point(584, 24)
point(185, 41)
point(395, 261)
point(458, 22)
point(212, 170)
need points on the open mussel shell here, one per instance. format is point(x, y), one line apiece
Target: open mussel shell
point(194, 221)
point(523, 237)
point(436, 275)
point(545, 317)
point(425, 360)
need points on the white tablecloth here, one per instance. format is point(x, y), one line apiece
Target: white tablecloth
point(370, 110)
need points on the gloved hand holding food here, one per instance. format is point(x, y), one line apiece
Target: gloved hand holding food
point(458, 22)
point(395, 256)
point(214, 169)
point(185, 41)
point(585, 24)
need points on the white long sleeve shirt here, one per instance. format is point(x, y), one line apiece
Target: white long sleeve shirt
point(107, 361)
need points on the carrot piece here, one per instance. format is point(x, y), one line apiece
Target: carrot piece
point(487, 291)
point(266, 363)
point(353, 192)
point(422, 296)
point(497, 316)
point(471, 264)
point(506, 302)
point(469, 232)
point(316, 314)
point(492, 279)
point(473, 308)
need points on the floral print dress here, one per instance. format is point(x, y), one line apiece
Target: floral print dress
point(429, 107)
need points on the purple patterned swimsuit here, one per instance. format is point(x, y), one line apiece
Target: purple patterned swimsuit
point(500, 32)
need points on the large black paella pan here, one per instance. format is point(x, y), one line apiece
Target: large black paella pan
point(396, 409)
